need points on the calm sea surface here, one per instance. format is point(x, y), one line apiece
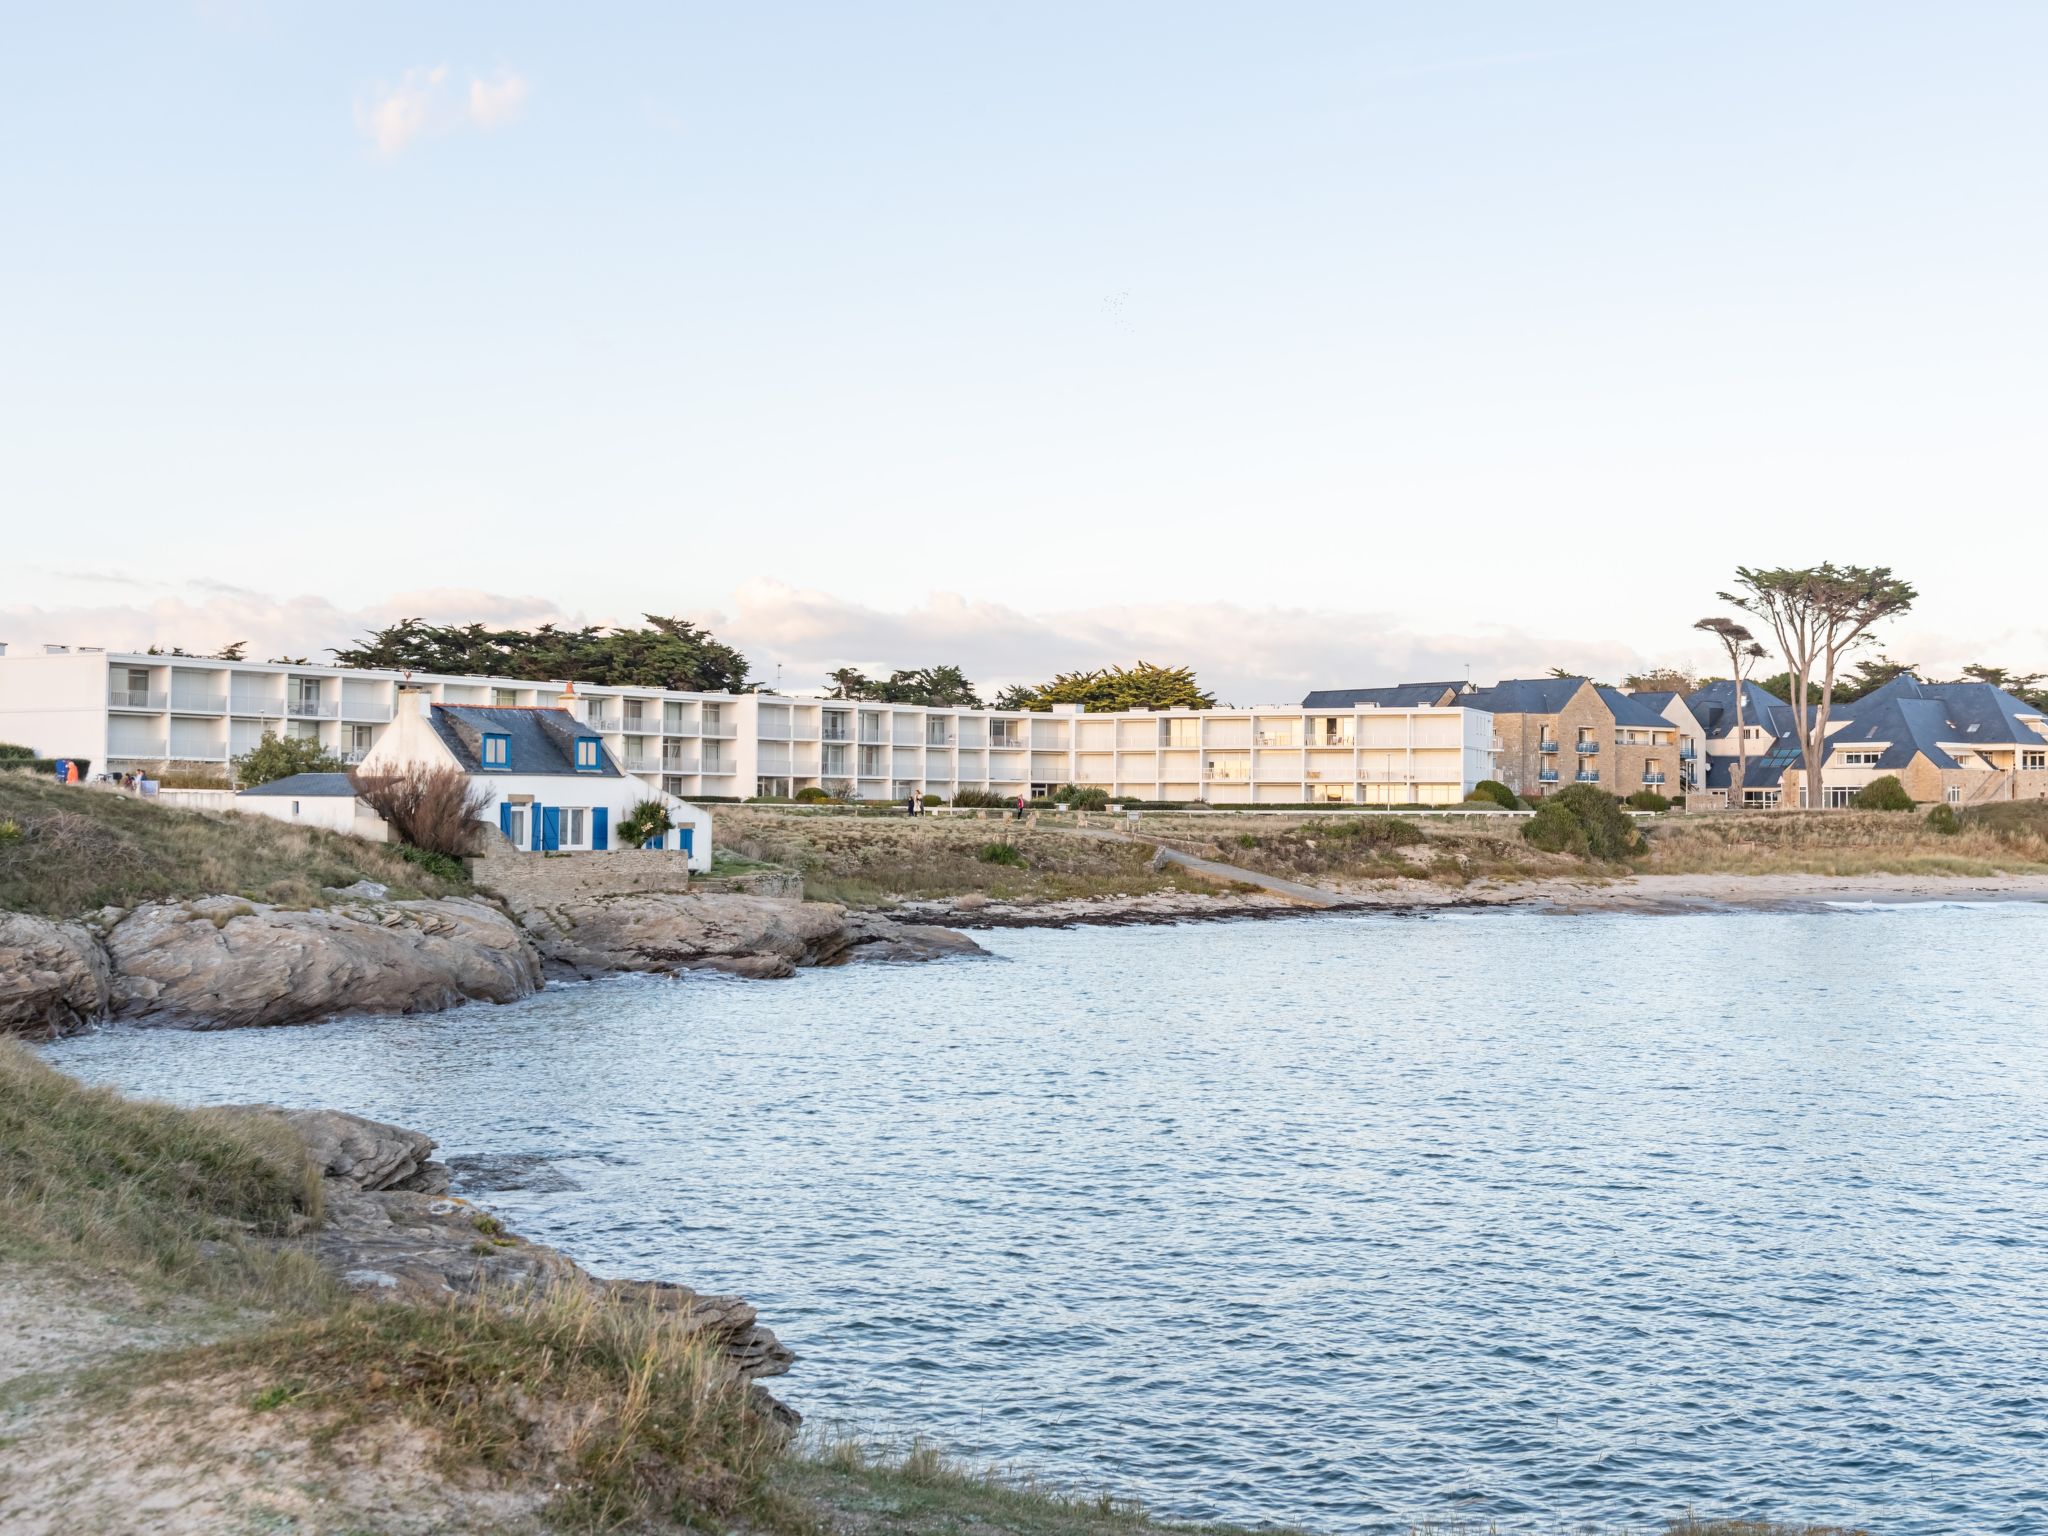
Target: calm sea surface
point(1335, 1221)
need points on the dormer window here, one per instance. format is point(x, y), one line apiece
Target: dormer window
point(497, 749)
point(587, 760)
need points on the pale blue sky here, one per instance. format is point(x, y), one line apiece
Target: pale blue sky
point(1308, 339)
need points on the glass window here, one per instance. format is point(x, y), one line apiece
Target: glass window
point(497, 750)
point(515, 824)
point(575, 828)
point(586, 754)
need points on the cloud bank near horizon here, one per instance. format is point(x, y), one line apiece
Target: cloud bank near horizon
point(794, 637)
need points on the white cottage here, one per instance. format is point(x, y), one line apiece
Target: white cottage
point(314, 800)
point(554, 787)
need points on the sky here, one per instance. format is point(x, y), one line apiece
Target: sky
point(1310, 344)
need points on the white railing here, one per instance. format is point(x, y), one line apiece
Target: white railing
point(134, 698)
point(351, 758)
point(267, 709)
point(137, 751)
point(721, 732)
point(603, 723)
point(199, 703)
point(312, 709)
point(679, 728)
point(643, 765)
point(374, 713)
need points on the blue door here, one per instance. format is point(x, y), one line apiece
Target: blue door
point(550, 828)
point(505, 819)
point(686, 838)
point(600, 828)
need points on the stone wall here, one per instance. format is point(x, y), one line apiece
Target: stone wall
point(549, 879)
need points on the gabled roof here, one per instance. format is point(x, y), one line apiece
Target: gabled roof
point(538, 741)
point(1399, 696)
point(1525, 695)
point(305, 786)
point(1631, 710)
point(1714, 707)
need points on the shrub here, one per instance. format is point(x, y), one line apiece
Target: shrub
point(1080, 799)
point(12, 753)
point(10, 830)
point(1943, 819)
point(1649, 800)
point(1376, 831)
point(983, 800)
point(811, 794)
point(1497, 792)
point(449, 869)
point(436, 809)
point(1582, 820)
point(1885, 794)
point(934, 799)
point(279, 757)
point(1006, 854)
point(644, 823)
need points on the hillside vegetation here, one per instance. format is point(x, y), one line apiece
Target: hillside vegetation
point(2009, 838)
point(68, 850)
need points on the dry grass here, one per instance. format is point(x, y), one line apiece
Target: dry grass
point(81, 849)
point(1994, 840)
point(867, 861)
point(1363, 848)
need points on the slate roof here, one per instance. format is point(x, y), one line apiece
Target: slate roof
point(1525, 695)
point(1631, 711)
point(305, 786)
point(539, 741)
point(1399, 696)
point(1714, 707)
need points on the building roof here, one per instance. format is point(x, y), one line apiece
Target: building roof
point(1398, 696)
point(538, 741)
point(1713, 705)
point(1632, 710)
point(1525, 695)
point(306, 786)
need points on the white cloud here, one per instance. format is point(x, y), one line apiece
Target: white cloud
point(424, 101)
point(495, 102)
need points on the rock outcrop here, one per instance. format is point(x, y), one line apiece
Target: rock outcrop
point(741, 935)
point(221, 963)
point(53, 976)
point(388, 1241)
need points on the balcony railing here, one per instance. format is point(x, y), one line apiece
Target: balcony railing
point(721, 732)
point(137, 751)
point(262, 709)
point(199, 703)
point(1588, 776)
point(351, 758)
point(1546, 776)
point(1546, 746)
point(837, 733)
point(133, 698)
point(644, 765)
point(1687, 754)
point(603, 723)
point(1279, 739)
point(352, 710)
point(1587, 748)
point(312, 709)
point(771, 733)
point(679, 728)
point(1652, 778)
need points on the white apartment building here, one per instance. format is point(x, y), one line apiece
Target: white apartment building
point(122, 711)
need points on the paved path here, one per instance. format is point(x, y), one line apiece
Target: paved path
point(1293, 890)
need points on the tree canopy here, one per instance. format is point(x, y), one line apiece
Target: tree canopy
point(664, 653)
point(1143, 686)
point(1661, 680)
point(942, 687)
point(279, 757)
point(1818, 614)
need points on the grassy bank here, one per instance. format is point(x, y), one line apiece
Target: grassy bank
point(2005, 839)
point(70, 850)
point(870, 861)
point(270, 1400)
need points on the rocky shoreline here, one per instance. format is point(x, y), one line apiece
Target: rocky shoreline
point(220, 962)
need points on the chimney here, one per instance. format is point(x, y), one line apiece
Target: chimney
point(572, 702)
point(418, 697)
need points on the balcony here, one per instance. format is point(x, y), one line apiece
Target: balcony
point(198, 703)
point(603, 723)
point(645, 765)
point(1587, 776)
point(1587, 748)
point(260, 709)
point(312, 709)
point(133, 698)
point(719, 732)
point(1546, 746)
point(137, 751)
point(377, 713)
point(1687, 754)
point(679, 728)
point(350, 759)
point(837, 733)
point(766, 732)
point(1652, 778)
point(1546, 776)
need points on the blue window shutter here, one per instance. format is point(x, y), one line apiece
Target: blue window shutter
point(551, 829)
point(505, 817)
point(686, 837)
point(600, 829)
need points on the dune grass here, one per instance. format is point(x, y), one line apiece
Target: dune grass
point(2002, 839)
point(76, 849)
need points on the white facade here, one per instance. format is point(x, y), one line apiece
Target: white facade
point(124, 711)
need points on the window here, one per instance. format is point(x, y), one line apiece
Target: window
point(1180, 733)
point(497, 750)
point(1838, 797)
point(1955, 794)
point(515, 826)
point(575, 823)
point(505, 698)
point(587, 760)
point(1860, 759)
point(2034, 760)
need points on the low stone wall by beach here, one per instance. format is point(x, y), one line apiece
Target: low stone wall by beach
point(549, 879)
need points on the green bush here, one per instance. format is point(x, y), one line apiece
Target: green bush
point(644, 823)
point(1006, 854)
point(1649, 800)
point(934, 799)
point(453, 870)
point(1497, 792)
point(1075, 797)
point(811, 794)
point(1376, 831)
point(279, 757)
point(983, 800)
point(11, 753)
point(1885, 794)
point(1582, 820)
point(1943, 819)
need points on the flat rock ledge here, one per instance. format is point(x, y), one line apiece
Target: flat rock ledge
point(391, 1232)
point(740, 935)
